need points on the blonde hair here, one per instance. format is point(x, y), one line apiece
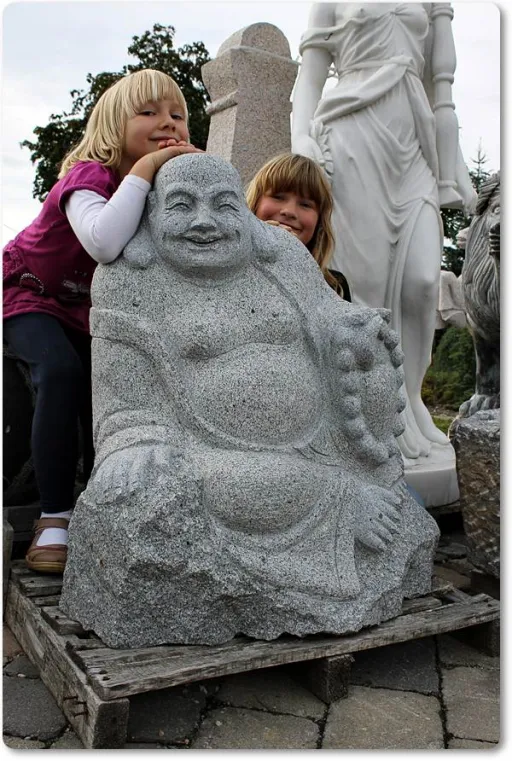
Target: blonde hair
point(104, 133)
point(290, 172)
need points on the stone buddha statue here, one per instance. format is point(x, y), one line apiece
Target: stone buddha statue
point(247, 476)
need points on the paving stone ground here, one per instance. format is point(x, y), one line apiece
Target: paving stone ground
point(433, 693)
point(373, 719)
point(446, 705)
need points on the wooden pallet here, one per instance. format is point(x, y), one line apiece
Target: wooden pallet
point(92, 683)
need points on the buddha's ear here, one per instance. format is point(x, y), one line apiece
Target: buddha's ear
point(140, 251)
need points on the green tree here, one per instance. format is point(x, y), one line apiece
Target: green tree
point(153, 50)
point(455, 220)
point(450, 379)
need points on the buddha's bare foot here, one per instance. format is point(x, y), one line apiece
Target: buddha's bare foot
point(379, 517)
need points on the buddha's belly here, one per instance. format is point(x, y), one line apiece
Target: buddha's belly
point(262, 393)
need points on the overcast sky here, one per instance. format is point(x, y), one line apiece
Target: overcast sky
point(48, 48)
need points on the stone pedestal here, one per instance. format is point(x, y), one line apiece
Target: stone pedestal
point(477, 445)
point(250, 83)
point(434, 477)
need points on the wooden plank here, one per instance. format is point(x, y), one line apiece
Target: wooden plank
point(38, 586)
point(60, 622)
point(19, 568)
point(91, 642)
point(46, 601)
point(440, 586)
point(97, 723)
point(34, 584)
point(120, 673)
point(420, 603)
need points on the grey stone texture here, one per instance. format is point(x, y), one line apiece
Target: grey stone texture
point(471, 697)
point(270, 690)
point(407, 666)
point(455, 742)
point(250, 82)
point(247, 477)
point(29, 710)
point(476, 441)
point(372, 719)
point(165, 716)
point(244, 729)
point(68, 741)
point(18, 743)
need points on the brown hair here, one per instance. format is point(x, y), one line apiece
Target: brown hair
point(290, 172)
point(104, 134)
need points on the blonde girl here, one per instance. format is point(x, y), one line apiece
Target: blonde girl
point(291, 191)
point(89, 215)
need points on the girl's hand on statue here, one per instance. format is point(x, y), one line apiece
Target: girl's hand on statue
point(169, 149)
point(148, 165)
point(172, 142)
point(275, 223)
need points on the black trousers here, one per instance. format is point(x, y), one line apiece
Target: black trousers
point(60, 367)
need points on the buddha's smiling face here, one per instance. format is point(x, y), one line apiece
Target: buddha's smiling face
point(200, 227)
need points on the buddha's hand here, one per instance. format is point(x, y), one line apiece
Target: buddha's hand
point(130, 470)
point(377, 517)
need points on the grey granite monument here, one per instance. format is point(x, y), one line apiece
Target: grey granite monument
point(247, 476)
point(250, 82)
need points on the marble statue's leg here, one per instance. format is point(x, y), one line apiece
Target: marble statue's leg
point(420, 290)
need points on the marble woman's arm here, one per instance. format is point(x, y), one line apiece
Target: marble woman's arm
point(435, 37)
point(309, 85)
point(455, 187)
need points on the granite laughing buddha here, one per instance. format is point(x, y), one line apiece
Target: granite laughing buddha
point(247, 476)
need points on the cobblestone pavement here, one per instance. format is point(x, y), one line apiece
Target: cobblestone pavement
point(431, 693)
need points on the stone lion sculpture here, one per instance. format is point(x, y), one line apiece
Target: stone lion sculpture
point(481, 289)
point(247, 475)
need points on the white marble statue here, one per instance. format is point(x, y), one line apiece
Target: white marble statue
point(387, 136)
